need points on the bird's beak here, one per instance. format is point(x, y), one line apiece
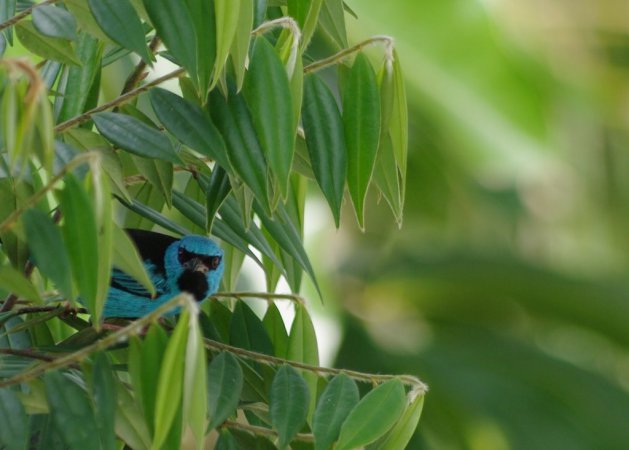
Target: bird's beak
point(196, 265)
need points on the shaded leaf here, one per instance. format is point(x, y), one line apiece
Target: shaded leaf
point(288, 404)
point(127, 259)
point(337, 400)
point(12, 280)
point(400, 435)
point(47, 249)
point(54, 22)
point(135, 136)
point(104, 395)
point(226, 16)
point(274, 325)
point(247, 330)
point(224, 386)
point(14, 429)
point(325, 139)
point(242, 37)
point(332, 20)
point(267, 93)
point(159, 173)
point(195, 403)
point(81, 11)
point(202, 13)
point(119, 21)
point(226, 441)
point(217, 190)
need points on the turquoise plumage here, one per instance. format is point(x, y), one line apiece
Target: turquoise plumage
point(192, 264)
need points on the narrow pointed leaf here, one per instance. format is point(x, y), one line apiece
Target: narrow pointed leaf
point(276, 330)
point(81, 11)
point(310, 21)
point(159, 173)
point(7, 11)
point(174, 24)
point(400, 435)
point(70, 406)
point(80, 79)
point(135, 136)
point(332, 21)
point(54, 22)
point(386, 177)
point(47, 47)
point(232, 118)
point(14, 281)
point(226, 14)
point(337, 400)
point(202, 13)
point(14, 430)
point(104, 395)
point(398, 125)
point(224, 386)
point(119, 21)
point(325, 139)
point(217, 190)
point(81, 240)
point(47, 249)
point(226, 441)
point(267, 92)
point(127, 259)
point(242, 37)
point(361, 119)
point(373, 416)
point(248, 332)
point(288, 405)
point(170, 381)
point(195, 404)
point(190, 124)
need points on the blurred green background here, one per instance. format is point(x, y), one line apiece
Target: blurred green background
point(506, 289)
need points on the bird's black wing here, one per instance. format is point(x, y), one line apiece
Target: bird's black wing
point(152, 248)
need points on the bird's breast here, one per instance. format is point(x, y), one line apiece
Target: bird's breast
point(194, 283)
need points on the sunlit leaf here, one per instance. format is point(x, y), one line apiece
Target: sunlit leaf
point(47, 47)
point(195, 403)
point(373, 416)
point(226, 14)
point(119, 21)
point(14, 281)
point(288, 405)
point(127, 259)
point(240, 45)
point(400, 435)
point(81, 11)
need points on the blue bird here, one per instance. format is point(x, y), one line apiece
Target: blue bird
point(192, 264)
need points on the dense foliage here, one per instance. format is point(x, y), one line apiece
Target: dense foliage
point(259, 110)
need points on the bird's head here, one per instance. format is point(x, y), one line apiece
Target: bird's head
point(194, 264)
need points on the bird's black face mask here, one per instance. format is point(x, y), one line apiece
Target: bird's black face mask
point(195, 283)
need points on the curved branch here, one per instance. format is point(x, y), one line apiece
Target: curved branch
point(338, 57)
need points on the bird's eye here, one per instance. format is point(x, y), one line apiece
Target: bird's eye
point(184, 255)
point(212, 262)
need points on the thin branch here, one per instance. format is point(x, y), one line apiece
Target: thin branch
point(15, 19)
point(338, 57)
point(27, 353)
point(409, 380)
point(262, 431)
point(121, 335)
point(290, 24)
point(260, 295)
point(117, 101)
point(138, 74)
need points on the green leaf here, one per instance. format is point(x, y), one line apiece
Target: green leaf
point(332, 21)
point(242, 37)
point(217, 190)
point(190, 125)
point(309, 23)
point(127, 259)
point(104, 395)
point(81, 11)
point(373, 416)
point(145, 360)
point(48, 251)
point(135, 136)
point(337, 400)
point(226, 14)
point(398, 126)
point(70, 406)
point(386, 176)
point(170, 381)
point(232, 118)
point(276, 330)
point(79, 80)
point(7, 11)
point(202, 13)
point(130, 425)
point(47, 47)
point(361, 119)
point(267, 92)
point(54, 22)
point(119, 21)
point(81, 238)
point(325, 139)
point(195, 403)
point(159, 173)
point(174, 24)
point(226, 441)
point(400, 435)
point(224, 386)
point(288, 404)
point(248, 332)
point(101, 196)
point(14, 429)
point(12, 280)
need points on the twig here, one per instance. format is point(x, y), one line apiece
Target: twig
point(117, 101)
point(260, 295)
point(119, 336)
point(409, 380)
point(337, 57)
point(290, 24)
point(304, 437)
point(27, 353)
point(138, 74)
point(15, 19)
